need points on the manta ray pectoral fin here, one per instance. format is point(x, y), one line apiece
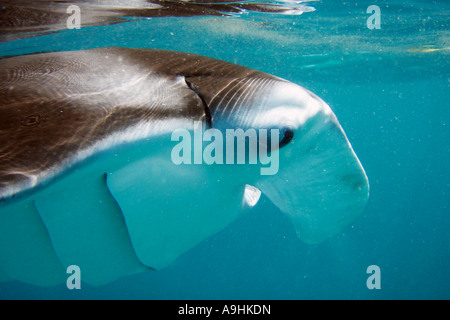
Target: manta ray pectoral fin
point(321, 184)
point(26, 252)
point(170, 208)
point(86, 228)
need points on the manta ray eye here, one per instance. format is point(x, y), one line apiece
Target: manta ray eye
point(288, 135)
point(284, 136)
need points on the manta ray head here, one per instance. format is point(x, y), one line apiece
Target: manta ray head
point(320, 183)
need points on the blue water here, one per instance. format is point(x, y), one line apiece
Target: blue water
point(389, 88)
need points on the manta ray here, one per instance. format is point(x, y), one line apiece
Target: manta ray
point(86, 176)
point(28, 18)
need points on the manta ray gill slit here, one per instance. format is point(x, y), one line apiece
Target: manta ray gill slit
point(205, 105)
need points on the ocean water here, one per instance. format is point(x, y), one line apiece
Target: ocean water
point(389, 88)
